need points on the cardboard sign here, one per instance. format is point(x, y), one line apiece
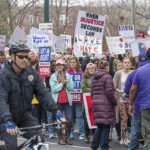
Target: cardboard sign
point(60, 44)
point(46, 27)
point(44, 61)
point(116, 45)
point(18, 34)
point(88, 110)
point(90, 24)
point(40, 41)
point(77, 95)
point(2, 42)
point(127, 32)
point(89, 44)
point(140, 45)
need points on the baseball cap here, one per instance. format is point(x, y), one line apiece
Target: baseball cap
point(142, 59)
point(60, 61)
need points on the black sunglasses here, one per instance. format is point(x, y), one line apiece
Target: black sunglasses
point(22, 57)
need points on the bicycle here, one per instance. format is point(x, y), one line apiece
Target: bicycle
point(37, 142)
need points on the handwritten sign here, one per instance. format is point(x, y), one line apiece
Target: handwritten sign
point(60, 44)
point(40, 41)
point(140, 45)
point(89, 24)
point(89, 44)
point(2, 42)
point(77, 95)
point(116, 44)
point(127, 32)
point(44, 61)
point(46, 27)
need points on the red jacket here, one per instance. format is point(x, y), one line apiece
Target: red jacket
point(103, 98)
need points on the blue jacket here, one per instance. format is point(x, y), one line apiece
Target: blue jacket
point(56, 87)
point(144, 86)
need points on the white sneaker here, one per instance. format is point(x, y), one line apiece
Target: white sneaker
point(81, 137)
point(51, 135)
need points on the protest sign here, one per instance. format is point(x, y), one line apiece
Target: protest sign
point(67, 41)
point(18, 34)
point(89, 44)
point(88, 110)
point(60, 44)
point(90, 24)
point(77, 92)
point(140, 45)
point(148, 31)
point(127, 32)
point(116, 45)
point(44, 61)
point(40, 41)
point(2, 42)
point(46, 27)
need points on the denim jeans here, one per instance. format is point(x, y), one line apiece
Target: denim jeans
point(135, 133)
point(67, 110)
point(101, 137)
point(50, 120)
point(77, 111)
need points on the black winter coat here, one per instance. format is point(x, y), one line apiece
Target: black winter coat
point(16, 93)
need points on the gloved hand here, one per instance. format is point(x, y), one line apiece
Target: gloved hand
point(59, 115)
point(11, 127)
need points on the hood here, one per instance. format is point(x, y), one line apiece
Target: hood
point(99, 73)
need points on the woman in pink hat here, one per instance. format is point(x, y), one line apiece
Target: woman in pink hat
point(61, 86)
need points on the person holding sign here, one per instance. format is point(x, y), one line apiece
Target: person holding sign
point(61, 86)
point(77, 110)
point(103, 103)
point(86, 84)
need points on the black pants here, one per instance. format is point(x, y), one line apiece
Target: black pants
point(11, 140)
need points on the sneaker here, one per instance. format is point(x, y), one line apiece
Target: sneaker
point(71, 136)
point(28, 148)
point(81, 137)
point(51, 135)
point(55, 135)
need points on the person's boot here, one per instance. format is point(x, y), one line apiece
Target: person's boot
point(86, 138)
point(60, 137)
point(68, 129)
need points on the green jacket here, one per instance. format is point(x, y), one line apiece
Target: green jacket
point(84, 85)
point(56, 87)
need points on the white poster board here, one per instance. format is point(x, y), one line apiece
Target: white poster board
point(40, 41)
point(88, 24)
point(46, 27)
point(2, 42)
point(89, 44)
point(67, 41)
point(140, 45)
point(116, 45)
point(127, 32)
point(60, 44)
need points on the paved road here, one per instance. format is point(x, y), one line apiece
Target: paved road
point(77, 144)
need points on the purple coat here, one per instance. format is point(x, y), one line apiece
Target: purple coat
point(103, 98)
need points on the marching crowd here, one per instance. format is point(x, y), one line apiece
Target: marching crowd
point(110, 80)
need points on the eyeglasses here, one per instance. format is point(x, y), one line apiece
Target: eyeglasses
point(22, 57)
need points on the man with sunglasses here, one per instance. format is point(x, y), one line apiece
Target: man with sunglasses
point(18, 83)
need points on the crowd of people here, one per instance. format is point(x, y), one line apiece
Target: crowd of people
point(109, 79)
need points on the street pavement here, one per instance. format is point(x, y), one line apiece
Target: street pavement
point(77, 144)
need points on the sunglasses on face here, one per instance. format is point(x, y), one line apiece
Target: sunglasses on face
point(22, 57)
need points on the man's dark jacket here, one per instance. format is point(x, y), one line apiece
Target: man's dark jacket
point(16, 93)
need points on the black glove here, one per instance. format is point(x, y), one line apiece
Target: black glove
point(54, 112)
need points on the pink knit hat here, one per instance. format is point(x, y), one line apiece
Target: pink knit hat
point(60, 61)
point(90, 65)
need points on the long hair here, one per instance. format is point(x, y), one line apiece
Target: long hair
point(102, 64)
point(77, 61)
